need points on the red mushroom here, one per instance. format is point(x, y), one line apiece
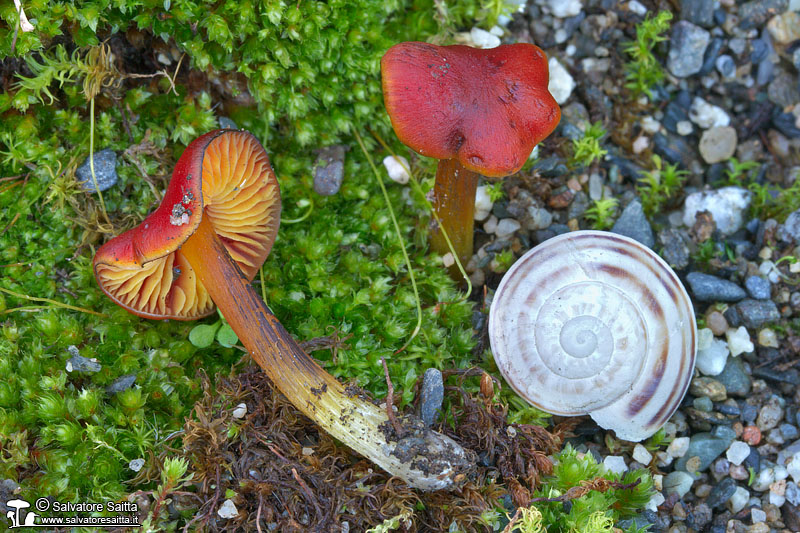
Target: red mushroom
point(202, 246)
point(480, 112)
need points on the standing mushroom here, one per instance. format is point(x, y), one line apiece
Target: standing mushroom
point(480, 112)
point(202, 246)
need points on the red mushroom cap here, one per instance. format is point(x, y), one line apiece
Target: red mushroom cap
point(487, 108)
point(224, 175)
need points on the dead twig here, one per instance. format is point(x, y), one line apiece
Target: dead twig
point(398, 429)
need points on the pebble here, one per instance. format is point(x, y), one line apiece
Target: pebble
point(227, 123)
point(789, 231)
point(705, 447)
point(136, 464)
point(684, 128)
point(688, 43)
point(793, 467)
point(506, 227)
point(329, 169)
point(739, 341)
point(561, 82)
point(738, 452)
point(763, 480)
point(674, 148)
point(678, 447)
point(700, 12)
point(716, 323)
point(483, 39)
point(396, 166)
point(711, 360)
point(105, 170)
point(483, 202)
point(726, 66)
point(770, 414)
point(736, 381)
point(240, 410)
point(565, 8)
point(120, 384)
point(755, 12)
point(792, 493)
point(768, 338)
point(677, 482)
point(738, 499)
point(785, 28)
point(758, 287)
point(227, 510)
point(726, 205)
point(538, 218)
point(721, 493)
point(751, 435)
point(431, 396)
point(708, 115)
point(641, 455)
point(756, 313)
point(718, 144)
point(616, 464)
point(674, 247)
point(705, 386)
point(78, 363)
point(634, 224)
point(490, 225)
point(708, 288)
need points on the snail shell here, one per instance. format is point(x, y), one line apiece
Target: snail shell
point(595, 323)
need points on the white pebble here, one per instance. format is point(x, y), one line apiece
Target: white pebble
point(490, 225)
point(768, 269)
point(655, 501)
point(561, 82)
point(793, 467)
point(396, 167)
point(240, 410)
point(565, 8)
point(768, 338)
point(506, 227)
point(227, 509)
point(707, 115)
point(758, 515)
point(650, 125)
point(764, 479)
point(739, 341)
point(704, 338)
point(136, 464)
point(448, 260)
point(738, 500)
point(483, 203)
point(776, 499)
point(727, 205)
point(484, 39)
point(641, 455)
point(678, 447)
point(636, 7)
point(684, 127)
point(711, 360)
point(640, 144)
point(737, 452)
point(616, 464)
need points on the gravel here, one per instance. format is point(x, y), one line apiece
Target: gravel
point(708, 288)
point(634, 224)
point(105, 171)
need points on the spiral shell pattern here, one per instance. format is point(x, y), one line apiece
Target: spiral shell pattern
point(596, 323)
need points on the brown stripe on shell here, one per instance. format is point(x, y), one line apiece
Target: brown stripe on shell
point(651, 385)
point(675, 397)
point(649, 298)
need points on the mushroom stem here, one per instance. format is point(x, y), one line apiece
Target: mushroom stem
point(423, 458)
point(454, 203)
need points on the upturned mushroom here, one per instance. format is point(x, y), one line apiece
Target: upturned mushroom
point(480, 112)
point(202, 246)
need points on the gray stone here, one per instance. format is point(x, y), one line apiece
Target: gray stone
point(687, 46)
point(758, 287)
point(329, 170)
point(674, 149)
point(721, 493)
point(634, 224)
point(708, 288)
point(760, 51)
point(78, 363)
point(706, 447)
point(120, 384)
point(783, 90)
point(770, 415)
point(756, 12)
point(105, 170)
point(790, 230)
point(734, 377)
point(431, 396)
point(756, 313)
point(792, 493)
point(579, 204)
point(789, 432)
point(700, 12)
point(227, 123)
point(674, 247)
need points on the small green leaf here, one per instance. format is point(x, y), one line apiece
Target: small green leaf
point(226, 336)
point(202, 335)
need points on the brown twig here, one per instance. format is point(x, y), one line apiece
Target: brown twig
point(398, 429)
